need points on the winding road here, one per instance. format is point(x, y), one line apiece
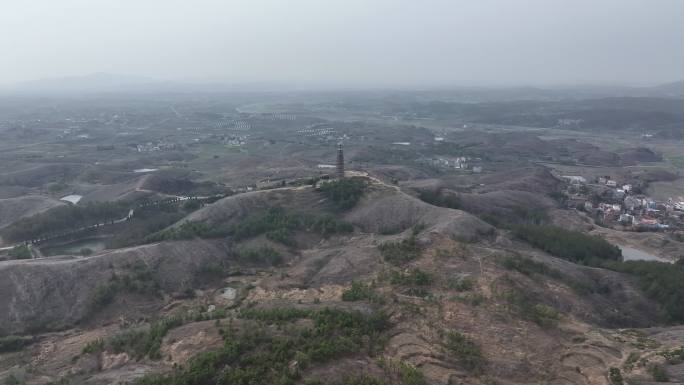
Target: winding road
point(129, 216)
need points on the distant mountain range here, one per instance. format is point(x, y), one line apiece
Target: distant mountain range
point(113, 83)
point(675, 89)
point(87, 83)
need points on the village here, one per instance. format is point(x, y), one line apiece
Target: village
point(623, 206)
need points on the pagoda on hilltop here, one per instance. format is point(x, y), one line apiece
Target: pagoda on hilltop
point(340, 161)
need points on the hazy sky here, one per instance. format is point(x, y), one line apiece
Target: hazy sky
point(347, 42)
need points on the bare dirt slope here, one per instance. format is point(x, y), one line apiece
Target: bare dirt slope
point(12, 209)
point(59, 292)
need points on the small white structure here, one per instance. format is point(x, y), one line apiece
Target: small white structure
point(626, 219)
point(73, 199)
point(575, 179)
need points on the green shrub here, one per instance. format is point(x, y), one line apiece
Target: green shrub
point(472, 299)
point(466, 351)
point(615, 376)
point(524, 304)
point(358, 292)
point(528, 266)
point(659, 374)
point(413, 276)
point(13, 380)
point(461, 283)
point(662, 282)
point(93, 347)
point(510, 218)
point(287, 314)
point(328, 225)
point(439, 198)
point(399, 253)
point(263, 255)
point(210, 271)
point(571, 245)
point(410, 375)
point(344, 193)
point(139, 279)
point(416, 292)
point(631, 360)
point(673, 356)
point(140, 343)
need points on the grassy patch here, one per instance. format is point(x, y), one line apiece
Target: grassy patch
point(146, 341)
point(677, 161)
point(139, 279)
point(277, 224)
point(524, 304)
point(14, 343)
point(20, 252)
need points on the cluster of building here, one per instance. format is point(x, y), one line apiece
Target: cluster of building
point(570, 122)
point(156, 146)
point(617, 204)
point(235, 140)
point(461, 163)
point(318, 131)
point(281, 117)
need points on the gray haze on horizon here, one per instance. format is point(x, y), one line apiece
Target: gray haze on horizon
point(348, 43)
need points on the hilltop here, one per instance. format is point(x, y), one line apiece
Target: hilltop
point(463, 301)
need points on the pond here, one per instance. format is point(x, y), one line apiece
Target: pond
point(74, 248)
point(631, 254)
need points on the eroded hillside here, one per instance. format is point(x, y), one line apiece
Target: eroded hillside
point(291, 286)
